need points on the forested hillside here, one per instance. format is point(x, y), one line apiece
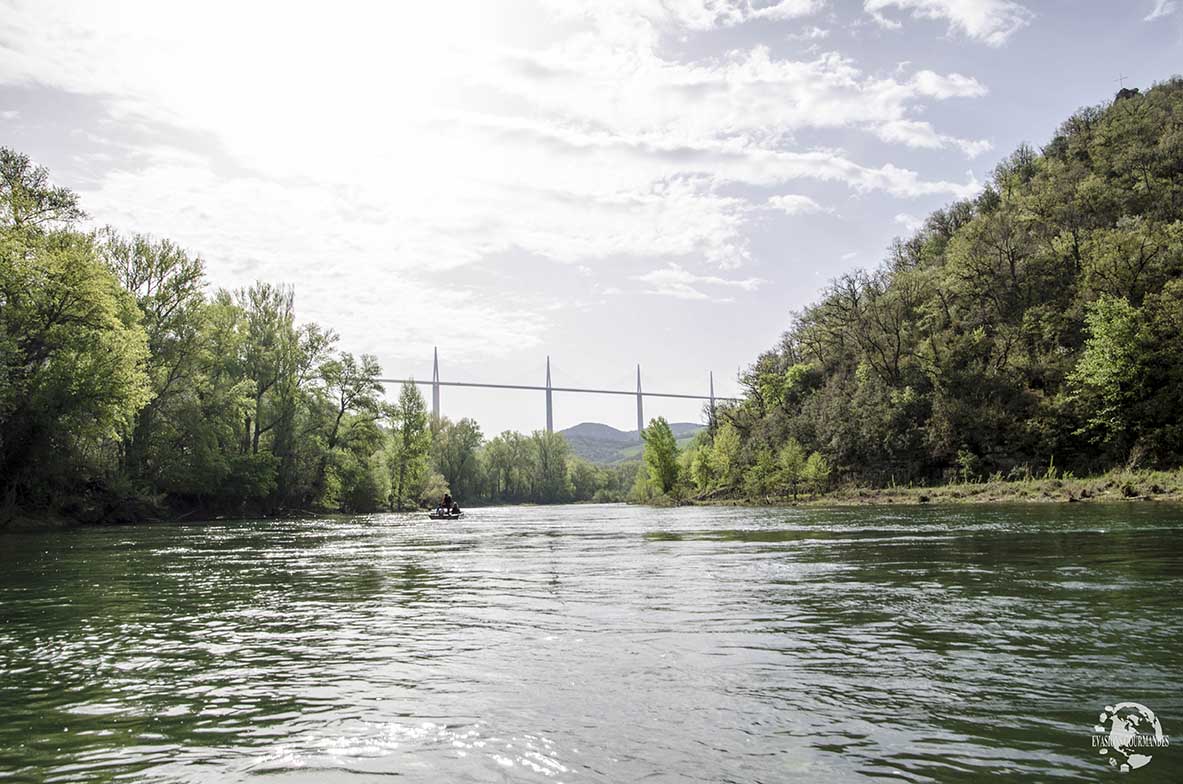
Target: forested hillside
point(128, 392)
point(600, 443)
point(1038, 325)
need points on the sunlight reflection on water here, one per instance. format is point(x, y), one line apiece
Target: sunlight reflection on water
point(590, 643)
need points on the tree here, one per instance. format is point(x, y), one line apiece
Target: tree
point(760, 478)
point(73, 364)
point(1162, 337)
point(167, 284)
point(816, 472)
point(407, 459)
point(791, 462)
point(27, 198)
point(725, 455)
point(701, 469)
point(511, 460)
point(1107, 380)
point(433, 488)
point(661, 455)
point(270, 335)
point(122, 385)
point(583, 479)
point(551, 483)
point(499, 466)
point(455, 445)
point(353, 388)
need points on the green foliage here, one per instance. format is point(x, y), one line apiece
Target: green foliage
point(120, 378)
point(724, 459)
point(661, 455)
point(516, 468)
point(73, 365)
point(816, 472)
point(643, 491)
point(1043, 317)
point(701, 468)
point(967, 463)
point(1108, 374)
point(454, 449)
point(407, 458)
point(364, 484)
point(761, 477)
point(433, 488)
point(791, 462)
point(510, 462)
point(582, 479)
point(551, 482)
point(352, 391)
point(28, 201)
point(124, 387)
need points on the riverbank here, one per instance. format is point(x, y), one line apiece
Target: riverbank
point(1114, 486)
point(1117, 485)
point(50, 520)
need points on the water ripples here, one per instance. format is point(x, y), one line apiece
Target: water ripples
point(593, 643)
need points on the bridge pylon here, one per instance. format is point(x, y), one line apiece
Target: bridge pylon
point(711, 422)
point(550, 411)
point(435, 387)
point(640, 403)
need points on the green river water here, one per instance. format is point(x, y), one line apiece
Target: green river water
point(594, 644)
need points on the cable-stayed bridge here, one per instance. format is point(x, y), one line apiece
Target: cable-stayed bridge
point(640, 394)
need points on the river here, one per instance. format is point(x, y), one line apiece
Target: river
point(593, 644)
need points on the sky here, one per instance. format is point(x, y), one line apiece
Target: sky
point(609, 183)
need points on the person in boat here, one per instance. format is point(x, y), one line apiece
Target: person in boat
point(455, 510)
point(445, 505)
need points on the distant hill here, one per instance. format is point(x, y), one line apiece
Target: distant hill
point(600, 443)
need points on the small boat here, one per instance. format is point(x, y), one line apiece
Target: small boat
point(439, 514)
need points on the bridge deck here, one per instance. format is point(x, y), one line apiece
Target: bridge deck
point(632, 393)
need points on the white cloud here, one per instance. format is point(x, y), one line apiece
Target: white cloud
point(646, 17)
point(787, 9)
point(914, 133)
point(749, 94)
point(795, 204)
point(910, 222)
point(989, 21)
point(934, 85)
point(1161, 8)
point(676, 281)
point(588, 146)
point(812, 33)
point(384, 148)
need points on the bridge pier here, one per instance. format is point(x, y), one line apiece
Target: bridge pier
point(640, 403)
point(711, 421)
point(435, 387)
point(550, 416)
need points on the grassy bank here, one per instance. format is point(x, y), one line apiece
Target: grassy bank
point(1117, 485)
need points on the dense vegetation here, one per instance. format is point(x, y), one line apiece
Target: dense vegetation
point(127, 391)
point(1035, 329)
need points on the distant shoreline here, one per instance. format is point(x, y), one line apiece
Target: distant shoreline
point(56, 521)
point(1115, 486)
